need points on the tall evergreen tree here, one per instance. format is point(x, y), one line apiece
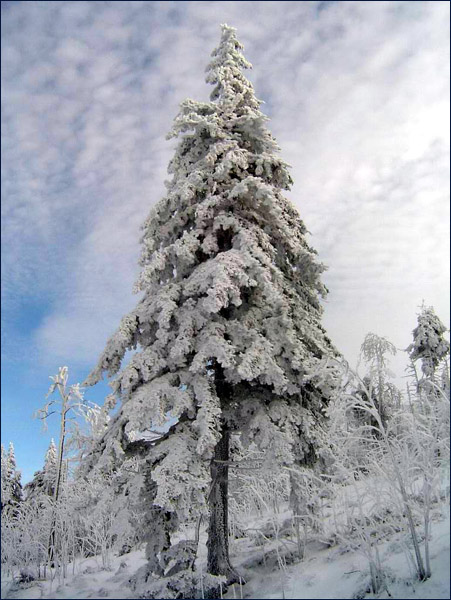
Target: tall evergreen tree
point(228, 332)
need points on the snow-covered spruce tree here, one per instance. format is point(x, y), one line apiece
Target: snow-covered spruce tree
point(429, 344)
point(43, 482)
point(11, 484)
point(228, 331)
point(50, 466)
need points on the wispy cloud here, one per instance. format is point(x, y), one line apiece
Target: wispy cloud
point(358, 97)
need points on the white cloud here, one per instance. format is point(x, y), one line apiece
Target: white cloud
point(358, 97)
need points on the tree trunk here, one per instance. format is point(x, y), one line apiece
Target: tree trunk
point(218, 561)
point(52, 538)
point(218, 538)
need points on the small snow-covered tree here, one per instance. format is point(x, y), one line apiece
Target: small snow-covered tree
point(429, 344)
point(4, 476)
point(43, 482)
point(70, 399)
point(11, 478)
point(374, 351)
point(228, 330)
point(50, 464)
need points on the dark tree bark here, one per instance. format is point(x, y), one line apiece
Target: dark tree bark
point(218, 535)
point(218, 562)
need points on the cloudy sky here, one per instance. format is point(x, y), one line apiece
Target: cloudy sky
point(358, 96)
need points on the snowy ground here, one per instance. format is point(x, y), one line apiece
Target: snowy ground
point(332, 573)
point(325, 572)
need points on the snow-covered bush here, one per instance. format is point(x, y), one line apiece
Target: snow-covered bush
point(398, 485)
point(183, 584)
point(25, 536)
point(108, 512)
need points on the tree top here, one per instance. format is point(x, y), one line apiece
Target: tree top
point(232, 89)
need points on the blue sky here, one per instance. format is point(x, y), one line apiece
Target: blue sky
point(358, 95)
